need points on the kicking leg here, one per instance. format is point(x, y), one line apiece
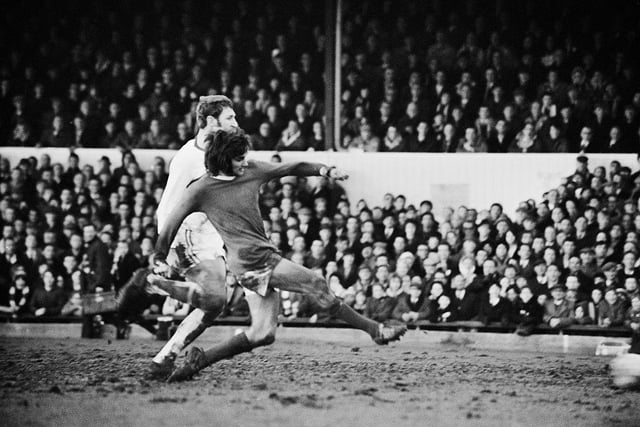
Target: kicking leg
point(294, 278)
point(264, 321)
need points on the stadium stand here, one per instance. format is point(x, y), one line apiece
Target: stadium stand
point(456, 76)
point(567, 262)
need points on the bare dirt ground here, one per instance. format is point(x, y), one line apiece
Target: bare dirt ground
point(66, 382)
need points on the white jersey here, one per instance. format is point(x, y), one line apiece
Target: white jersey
point(186, 166)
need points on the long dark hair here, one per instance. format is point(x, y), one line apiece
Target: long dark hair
point(222, 148)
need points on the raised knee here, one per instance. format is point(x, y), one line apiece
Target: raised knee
point(322, 296)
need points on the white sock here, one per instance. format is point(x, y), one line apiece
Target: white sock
point(176, 344)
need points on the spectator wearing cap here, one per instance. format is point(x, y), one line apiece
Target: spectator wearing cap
point(612, 309)
point(49, 299)
point(559, 312)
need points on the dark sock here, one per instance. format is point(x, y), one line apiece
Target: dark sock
point(352, 317)
point(235, 345)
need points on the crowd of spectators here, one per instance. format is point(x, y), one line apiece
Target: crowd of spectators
point(497, 76)
point(454, 76)
point(571, 258)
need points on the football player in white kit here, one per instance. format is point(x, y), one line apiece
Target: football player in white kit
point(197, 253)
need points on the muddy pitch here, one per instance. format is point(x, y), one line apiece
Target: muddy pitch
point(67, 382)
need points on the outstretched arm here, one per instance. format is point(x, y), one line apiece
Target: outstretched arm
point(278, 170)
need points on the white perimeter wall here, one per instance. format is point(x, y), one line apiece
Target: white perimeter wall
point(474, 180)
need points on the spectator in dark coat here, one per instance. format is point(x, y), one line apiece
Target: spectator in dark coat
point(125, 263)
point(58, 135)
point(19, 295)
point(412, 306)
point(379, 305)
point(97, 261)
point(49, 299)
point(559, 311)
point(444, 311)
point(494, 308)
point(465, 302)
point(528, 312)
point(612, 310)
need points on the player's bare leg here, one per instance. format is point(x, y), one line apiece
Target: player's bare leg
point(295, 278)
point(264, 321)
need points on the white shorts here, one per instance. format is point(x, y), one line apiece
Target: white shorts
point(192, 245)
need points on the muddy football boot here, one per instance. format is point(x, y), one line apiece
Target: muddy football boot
point(388, 333)
point(160, 371)
point(194, 362)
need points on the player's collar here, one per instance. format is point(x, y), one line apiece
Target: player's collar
point(223, 177)
point(198, 142)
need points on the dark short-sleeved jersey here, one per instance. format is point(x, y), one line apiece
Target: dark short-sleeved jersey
point(232, 207)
